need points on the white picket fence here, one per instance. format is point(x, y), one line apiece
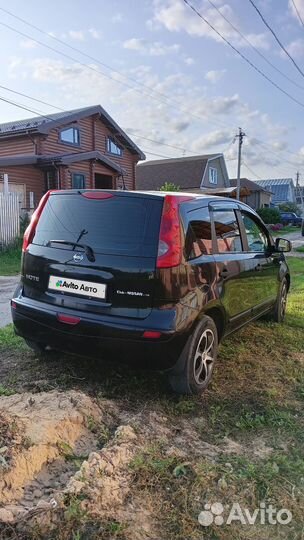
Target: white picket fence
point(9, 218)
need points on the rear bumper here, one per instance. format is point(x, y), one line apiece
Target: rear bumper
point(93, 334)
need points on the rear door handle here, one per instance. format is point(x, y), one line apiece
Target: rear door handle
point(224, 273)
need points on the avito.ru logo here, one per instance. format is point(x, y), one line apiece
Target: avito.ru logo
point(214, 513)
point(59, 283)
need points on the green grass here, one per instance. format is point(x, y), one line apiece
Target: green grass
point(10, 260)
point(9, 340)
point(300, 249)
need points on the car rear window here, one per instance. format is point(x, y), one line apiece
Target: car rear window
point(120, 225)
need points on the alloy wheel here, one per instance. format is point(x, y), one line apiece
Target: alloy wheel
point(204, 357)
point(283, 300)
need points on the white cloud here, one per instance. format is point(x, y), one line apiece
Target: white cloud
point(96, 34)
point(214, 76)
point(279, 145)
point(189, 61)
point(215, 139)
point(28, 44)
point(176, 17)
point(117, 18)
point(155, 48)
point(77, 35)
point(295, 48)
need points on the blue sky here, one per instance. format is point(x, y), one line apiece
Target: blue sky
point(168, 78)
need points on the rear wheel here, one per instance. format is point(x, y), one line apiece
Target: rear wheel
point(194, 368)
point(279, 310)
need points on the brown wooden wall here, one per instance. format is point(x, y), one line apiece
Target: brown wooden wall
point(88, 168)
point(127, 161)
point(16, 146)
point(32, 177)
point(51, 144)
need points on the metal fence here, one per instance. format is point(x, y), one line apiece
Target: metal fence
point(9, 219)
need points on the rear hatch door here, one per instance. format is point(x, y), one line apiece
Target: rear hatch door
point(95, 251)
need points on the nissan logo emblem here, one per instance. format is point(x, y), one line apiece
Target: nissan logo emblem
point(78, 257)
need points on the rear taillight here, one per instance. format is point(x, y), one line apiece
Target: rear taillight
point(170, 239)
point(99, 195)
point(30, 231)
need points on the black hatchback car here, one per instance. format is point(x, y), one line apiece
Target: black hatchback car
point(164, 274)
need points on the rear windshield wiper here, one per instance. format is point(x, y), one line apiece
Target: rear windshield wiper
point(88, 250)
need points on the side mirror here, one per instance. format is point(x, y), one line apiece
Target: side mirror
point(282, 245)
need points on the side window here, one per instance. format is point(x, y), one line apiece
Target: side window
point(257, 238)
point(227, 231)
point(198, 236)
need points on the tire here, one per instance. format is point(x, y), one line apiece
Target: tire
point(194, 368)
point(38, 348)
point(279, 310)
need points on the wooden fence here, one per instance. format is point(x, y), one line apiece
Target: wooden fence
point(9, 219)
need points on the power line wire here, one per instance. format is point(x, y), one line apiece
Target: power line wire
point(90, 57)
point(138, 136)
point(297, 12)
point(34, 111)
point(173, 103)
point(21, 106)
point(253, 46)
point(258, 70)
point(133, 134)
point(275, 153)
point(276, 38)
point(30, 97)
point(251, 170)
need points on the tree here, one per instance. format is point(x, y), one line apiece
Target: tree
point(169, 186)
point(290, 207)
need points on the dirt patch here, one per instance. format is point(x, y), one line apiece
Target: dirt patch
point(55, 434)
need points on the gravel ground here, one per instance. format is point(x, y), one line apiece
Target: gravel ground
point(7, 287)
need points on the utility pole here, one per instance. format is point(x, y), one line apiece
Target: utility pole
point(240, 137)
point(299, 190)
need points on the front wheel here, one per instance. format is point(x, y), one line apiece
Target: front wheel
point(194, 368)
point(279, 310)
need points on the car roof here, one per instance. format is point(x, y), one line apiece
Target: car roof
point(161, 194)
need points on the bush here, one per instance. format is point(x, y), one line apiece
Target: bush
point(269, 215)
point(169, 186)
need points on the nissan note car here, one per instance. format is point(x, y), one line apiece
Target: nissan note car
point(165, 275)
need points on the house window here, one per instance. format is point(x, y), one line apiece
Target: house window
point(70, 135)
point(113, 148)
point(212, 175)
point(78, 181)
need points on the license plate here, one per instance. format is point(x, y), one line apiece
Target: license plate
point(76, 286)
